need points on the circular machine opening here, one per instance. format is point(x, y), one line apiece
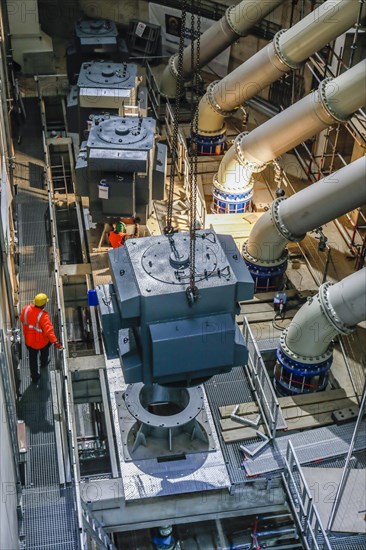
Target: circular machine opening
point(164, 401)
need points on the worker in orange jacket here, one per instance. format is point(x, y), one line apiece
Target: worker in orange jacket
point(38, 334)
point(118, 236)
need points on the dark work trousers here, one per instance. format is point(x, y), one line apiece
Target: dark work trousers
point(33, 359)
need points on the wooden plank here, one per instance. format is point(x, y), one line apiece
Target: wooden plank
point(265, 307)
point(86, 362)
point(298, 412)
point(267, 316)
point(290, 401)
point(75, 269)
point(322, 419)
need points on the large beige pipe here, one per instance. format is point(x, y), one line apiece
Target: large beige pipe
point(321, 202)
point(305, 351)
point(334, 101)
point(336, 309)
point(236, 22)
point(288, 50)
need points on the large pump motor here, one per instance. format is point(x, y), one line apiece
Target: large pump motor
point(149, 321)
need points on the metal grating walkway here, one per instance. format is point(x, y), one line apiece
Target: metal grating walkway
point(49, 517)
point(228, 389)
point(310, 446)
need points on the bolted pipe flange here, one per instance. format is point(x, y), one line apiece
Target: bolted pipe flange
point(302, 358)
point(264, 263)
point(330, 312)
point(172, 66)
point(210, 93)
point(322, 90)
point(237, 189)
point(280, 54)
point(252, 166)
point(139, 398)
point(280, 226)
point(230, 21)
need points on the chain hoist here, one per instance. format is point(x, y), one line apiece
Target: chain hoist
point(168, 230)
point(192, 290)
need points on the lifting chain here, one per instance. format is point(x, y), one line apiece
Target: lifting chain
point(192, 291)
point(168, 230)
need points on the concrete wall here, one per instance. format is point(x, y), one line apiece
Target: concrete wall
point(8, 498)
point(120, 12)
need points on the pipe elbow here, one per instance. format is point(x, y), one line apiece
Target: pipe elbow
point(210, 121)
point(168, 82)
point(266, 243)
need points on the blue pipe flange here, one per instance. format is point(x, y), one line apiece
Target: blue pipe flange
point(231, 203)
point(294, 377)
point(210, 145)
point(267, 276)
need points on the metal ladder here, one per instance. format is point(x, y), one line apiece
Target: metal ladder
point(94, 529)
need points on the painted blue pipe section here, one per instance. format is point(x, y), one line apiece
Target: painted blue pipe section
point(231, 203)
point(266, 278)
point(294, 378)
point(210, 145)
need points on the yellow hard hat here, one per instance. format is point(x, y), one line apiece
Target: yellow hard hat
point(40, 300)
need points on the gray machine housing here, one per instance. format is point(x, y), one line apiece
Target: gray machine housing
point(163, 338)
point(121, 157)
point(96, 33)
point(107, 87)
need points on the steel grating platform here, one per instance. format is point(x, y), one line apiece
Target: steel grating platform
point(147, 478)
point(228, 389)
point(310, 446)
point(352, 542)
point(49, 519)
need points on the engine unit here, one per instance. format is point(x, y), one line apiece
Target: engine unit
point(106, 87)
point(121, 168)
point(94, 38)
point(149, 322)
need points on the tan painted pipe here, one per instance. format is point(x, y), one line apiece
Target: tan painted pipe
point(288, 50)
point(237, 22)
point(334, 101)
point(336, 309)
point(321, 202)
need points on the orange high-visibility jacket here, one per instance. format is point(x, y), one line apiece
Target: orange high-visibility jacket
point(37, 327)
point(117, 239)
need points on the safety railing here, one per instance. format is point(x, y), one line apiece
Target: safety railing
point(306, 516)
point(201, 204)
point(262, 385)
point(153, 91)
point(181, 145)
point(66, 388)
point(183, 165)
point(94, 530)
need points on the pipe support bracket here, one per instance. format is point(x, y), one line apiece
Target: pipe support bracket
point(339, 117)
point(330, 312)
point(280, 53)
